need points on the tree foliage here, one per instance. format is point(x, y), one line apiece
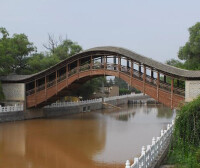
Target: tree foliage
point(62, 48)
point(14, 52)
point(186, 137)
point(91, 86)
point(190, 52)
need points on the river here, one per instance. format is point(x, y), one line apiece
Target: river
point(104, 138)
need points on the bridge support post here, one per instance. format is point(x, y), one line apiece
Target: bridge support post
point(104, 64)
point(56, 82)
point(158, 84)
point(78, 65)
point(165, 79)
point(45, 85)
point(119, 65)
point(172, 91)
point(144, 79)
point(114, 62)
point(35, 92)
point(152, 75)
point(139, 70)
point(67, 75)
point(91, 65)
point(131, 72)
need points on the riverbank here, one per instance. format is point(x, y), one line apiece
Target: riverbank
point(185, 146)
point(55, 111)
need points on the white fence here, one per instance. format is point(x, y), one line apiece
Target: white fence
point(122, 96)
point(64, 104)
point(151, 153)
point(11, 108)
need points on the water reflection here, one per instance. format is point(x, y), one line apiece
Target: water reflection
point(104, 138)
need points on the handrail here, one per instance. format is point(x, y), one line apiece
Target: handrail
point(11, 108)
point(150, 154)
point(109, 66)
point(63, 104)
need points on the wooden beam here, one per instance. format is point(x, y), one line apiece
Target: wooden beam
point(104, 61)
point(139, 70)
point(114, 62)
point(56, 82)
point(91, 62)
point(35, 92)
point(78, 67)
point(158, 84)
point(131, 71)
point(119, 65)
point(152, 76)
point(67, 75)
point(144, 79)
point(165, 79)
point(172, 91)
point(45, 88)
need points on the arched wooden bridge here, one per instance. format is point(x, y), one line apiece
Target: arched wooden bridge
point(162, 82)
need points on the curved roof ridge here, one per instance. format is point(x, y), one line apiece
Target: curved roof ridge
point(182, 73)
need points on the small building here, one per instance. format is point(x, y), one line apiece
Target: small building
point(108, 91)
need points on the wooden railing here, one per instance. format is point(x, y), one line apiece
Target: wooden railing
point(113, 67)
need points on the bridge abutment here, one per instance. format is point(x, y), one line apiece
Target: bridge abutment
point(192, 90)
point(14, 94)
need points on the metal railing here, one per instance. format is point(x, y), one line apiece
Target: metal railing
point(150, 154)
point(11, 108)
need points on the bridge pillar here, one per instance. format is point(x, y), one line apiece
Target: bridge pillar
point(119, 63)
point(192, 90)
point(35, 92)
point(15, 93)
point(144, 79)
point(172, 91)
point(158, 84)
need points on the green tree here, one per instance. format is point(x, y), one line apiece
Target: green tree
point(190, 52)
point(62, 48)
point(39, 61)
point(185, 151)
point(88, 88)
point(176, 63)
point(14, 52)
point(66, 49)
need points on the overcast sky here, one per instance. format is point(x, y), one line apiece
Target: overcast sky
point(153, 28)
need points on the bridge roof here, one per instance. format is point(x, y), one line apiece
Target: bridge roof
point(166, 69)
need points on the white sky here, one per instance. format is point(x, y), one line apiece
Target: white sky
point(153, 28)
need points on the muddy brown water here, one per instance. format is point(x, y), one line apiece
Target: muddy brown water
point(100, 139)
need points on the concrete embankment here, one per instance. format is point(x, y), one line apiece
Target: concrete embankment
point(66, 110)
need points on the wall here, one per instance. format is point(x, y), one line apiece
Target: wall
point(60, 111)
point(14, 93)
point(192, 90)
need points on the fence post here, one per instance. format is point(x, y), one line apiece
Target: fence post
point(136, 164)
point(144, 156)
point(128, 165)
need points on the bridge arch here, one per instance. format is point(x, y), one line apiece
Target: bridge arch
point(161, 82)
